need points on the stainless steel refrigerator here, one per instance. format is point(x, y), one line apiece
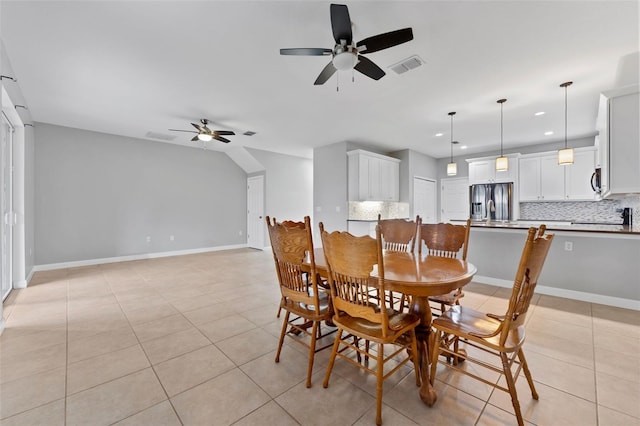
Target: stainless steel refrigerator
point(491, 201)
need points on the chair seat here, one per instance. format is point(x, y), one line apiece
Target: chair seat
point(399, 323)
point(468, 323)
point(447, 299)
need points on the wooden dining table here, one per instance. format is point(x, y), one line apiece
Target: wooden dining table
point(418, 276)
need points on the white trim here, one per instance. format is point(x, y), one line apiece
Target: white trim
point(1, 325)
point(90, 262)
point(568, 294)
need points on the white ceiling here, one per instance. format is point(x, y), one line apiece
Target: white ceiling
point(134, 67)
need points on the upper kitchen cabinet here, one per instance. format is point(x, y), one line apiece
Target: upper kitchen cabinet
point(483, 170)
point(373, 177)
point(619, 141)
point(543, 179)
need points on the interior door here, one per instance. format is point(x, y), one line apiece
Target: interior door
point(424, 199)
point(454, 199)
point(6, 208)
point(255, 212)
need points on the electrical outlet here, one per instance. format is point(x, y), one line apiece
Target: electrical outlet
point(171, 238)
point(568, 246)
point(240, 233)
point(148, 239)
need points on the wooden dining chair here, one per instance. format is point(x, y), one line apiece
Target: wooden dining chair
point(445, 240)
point(289, 224)
point(305, 303)
point(350, 262)
point(399, 235)
point(499, 335)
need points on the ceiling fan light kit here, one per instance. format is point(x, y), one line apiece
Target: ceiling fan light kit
point(502, 162)
point(204, 137)
point(565, 156)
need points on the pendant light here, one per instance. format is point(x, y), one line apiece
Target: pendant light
point(502, 162)
point(452, 168)
point(565, 156)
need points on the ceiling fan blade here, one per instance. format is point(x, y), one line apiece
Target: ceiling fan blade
point(199, 127)
point(368, 68)
point(306, 51)
point(384, 41)
point(195, 138)
point(223, 132)
point(341, 23)
point(187, 131)
point(221, 139)
point(326, 73)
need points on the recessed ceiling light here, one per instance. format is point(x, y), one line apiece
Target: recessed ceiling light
point(539, 113)
point(463, 147)
point(549, 133)
point(439, 134)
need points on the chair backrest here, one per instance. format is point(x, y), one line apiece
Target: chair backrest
point(445, 239)
point(350, 261)
point(531, 261)
point(399, 234)
point(292, 246)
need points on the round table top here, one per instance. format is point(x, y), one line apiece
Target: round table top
point(418, 275)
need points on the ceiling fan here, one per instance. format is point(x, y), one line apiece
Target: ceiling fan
point(345, 54)
point(205, 134)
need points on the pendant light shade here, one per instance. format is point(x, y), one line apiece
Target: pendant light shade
point(565, 156)
point(452, 167)
point(502, 162)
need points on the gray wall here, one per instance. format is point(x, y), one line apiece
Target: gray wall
point(599, 265)
point(288, 185)
point(100, 196)
point(330, 188)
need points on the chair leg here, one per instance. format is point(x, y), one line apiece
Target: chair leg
point(285, 324)
point(527, 374)
point(511, 384)
point(379, 380)
point(332, 359)
point(312, 352)
point(416, 357)
point(435, 353)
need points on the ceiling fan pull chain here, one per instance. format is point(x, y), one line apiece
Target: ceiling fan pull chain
point(337, 82)
point(353, 76)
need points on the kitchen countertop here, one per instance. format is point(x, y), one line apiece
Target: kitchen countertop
point(560, 226)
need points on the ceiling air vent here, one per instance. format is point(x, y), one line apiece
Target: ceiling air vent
point(407, 64)
point(161, 136)
point(249, 133)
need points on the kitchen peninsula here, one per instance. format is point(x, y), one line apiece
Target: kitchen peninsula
point(595, 263)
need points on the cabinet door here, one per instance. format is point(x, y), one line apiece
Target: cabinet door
point(529, 179)
point(483, 171)
point(551, 179)
point(624, 148)
point(578, 176)
point(389, 180)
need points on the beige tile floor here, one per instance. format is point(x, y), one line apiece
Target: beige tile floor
point(191, 340)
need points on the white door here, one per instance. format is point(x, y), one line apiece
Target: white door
point(454, 198)
point(256, 225)
point(424, 199)
point(5, 202)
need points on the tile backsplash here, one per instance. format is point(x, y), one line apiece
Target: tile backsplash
point(581, 211)
point(368, 210)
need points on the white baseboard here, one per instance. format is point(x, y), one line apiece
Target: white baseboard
point(568, 294)
point(21, 284)
point(90, 262)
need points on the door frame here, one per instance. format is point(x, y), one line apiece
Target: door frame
point(6, 209)
point(255, 239)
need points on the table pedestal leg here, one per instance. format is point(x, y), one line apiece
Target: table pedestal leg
point(420, 306)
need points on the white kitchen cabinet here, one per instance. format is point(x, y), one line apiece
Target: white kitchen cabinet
point(372, 177)
point(619, 141)
point(542, 179)
point(483, 170)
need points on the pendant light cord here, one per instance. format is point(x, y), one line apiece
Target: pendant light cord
point(565, 116)
point(451, 114)
point(501, 102)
